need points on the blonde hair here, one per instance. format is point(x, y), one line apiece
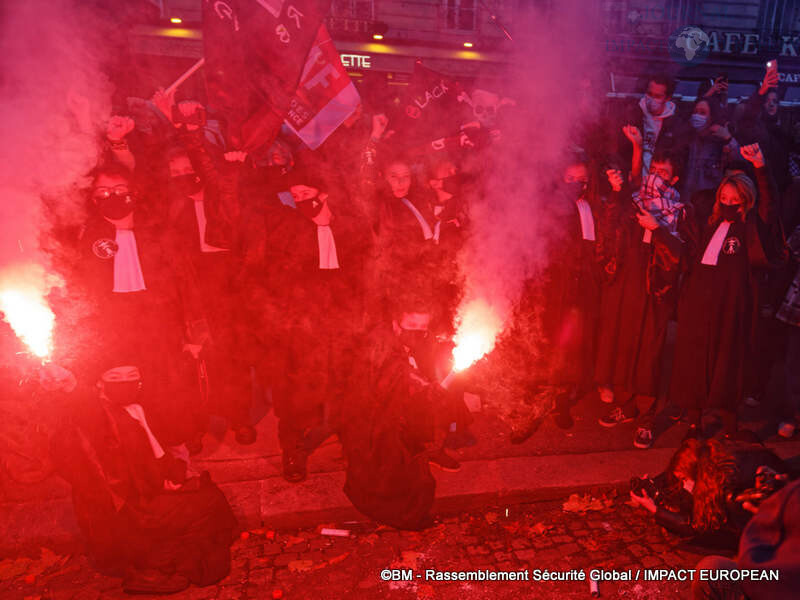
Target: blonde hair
point(744, 189)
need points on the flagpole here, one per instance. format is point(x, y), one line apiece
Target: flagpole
point(185, 76)
point(494, 20)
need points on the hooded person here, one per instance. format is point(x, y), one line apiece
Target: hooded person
point(147, 515)
point(306, 285)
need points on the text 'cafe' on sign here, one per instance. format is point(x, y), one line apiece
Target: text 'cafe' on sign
point(356, 61)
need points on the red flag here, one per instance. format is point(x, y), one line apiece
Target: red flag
point(325, 97)
point(255, 52)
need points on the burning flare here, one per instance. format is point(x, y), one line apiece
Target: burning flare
point(478, 328)
point(30, 317)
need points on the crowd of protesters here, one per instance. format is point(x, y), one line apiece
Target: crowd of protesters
point(331, 278)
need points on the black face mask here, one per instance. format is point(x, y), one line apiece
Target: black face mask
point(574, 189)
point(452, 185)
point(123, 393)
point(414, 339)
point(729, 212)
point(310, 208)
point(117, 205)
point(188, 184)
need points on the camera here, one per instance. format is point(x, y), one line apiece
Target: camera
point(645, 484)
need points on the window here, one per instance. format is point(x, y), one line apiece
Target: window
point(460, 14)
point(353, 9)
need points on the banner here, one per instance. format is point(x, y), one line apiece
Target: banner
point(431, 109)
point(255, 53)
point(325, 97)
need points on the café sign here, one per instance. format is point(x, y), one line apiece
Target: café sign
point(356, 61)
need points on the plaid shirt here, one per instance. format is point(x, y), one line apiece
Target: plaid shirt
point(789, 312)
point(662, 201)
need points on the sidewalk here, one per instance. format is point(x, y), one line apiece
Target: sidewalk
point(551, 464)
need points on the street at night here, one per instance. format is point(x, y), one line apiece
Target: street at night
point(404, 299)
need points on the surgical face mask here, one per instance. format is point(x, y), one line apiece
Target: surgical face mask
point(698, 121)
point(413, 339)
point(187, 184)
point(115, 205)
point(654, 107)
point(729, 212)
point(310, 208)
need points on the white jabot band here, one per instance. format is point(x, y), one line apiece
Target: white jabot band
point(127, 268)
point(327, 248)
point(711, 255)
point(587, 221)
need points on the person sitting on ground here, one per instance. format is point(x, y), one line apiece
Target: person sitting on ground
point(145, 513)
point(700, 493)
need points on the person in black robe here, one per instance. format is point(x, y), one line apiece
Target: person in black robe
point(203, 216)
point(571, 291)
point(717, 308)
point(140, 294)
point(404, 226)
point(396, 416)
point(640, 297)
point(145, 514)
point(306, 280)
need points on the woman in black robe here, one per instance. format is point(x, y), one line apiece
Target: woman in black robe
point(716, 312)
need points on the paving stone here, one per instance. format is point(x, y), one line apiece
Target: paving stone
point(649, 562)
point(525, 555)
point(284, 559)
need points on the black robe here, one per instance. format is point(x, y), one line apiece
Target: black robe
point(636, 305)
point(571, 292)
point(144, 328)
point(717, 308)
point(384, 421)
point(128, 517)
point(306, 318)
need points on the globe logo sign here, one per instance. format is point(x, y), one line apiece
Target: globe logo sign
point(689, 46)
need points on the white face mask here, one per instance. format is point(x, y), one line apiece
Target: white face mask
point(688, 485)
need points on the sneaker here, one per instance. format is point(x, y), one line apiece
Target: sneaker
point(786, 429)
point(294, 467)
point(606, 394)
point(643, 438)
point(444, 461)
point(615, 417)
point(524, 428)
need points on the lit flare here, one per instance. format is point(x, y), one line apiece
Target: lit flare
point(31, 319)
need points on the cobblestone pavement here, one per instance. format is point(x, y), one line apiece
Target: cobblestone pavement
point(304, 564)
